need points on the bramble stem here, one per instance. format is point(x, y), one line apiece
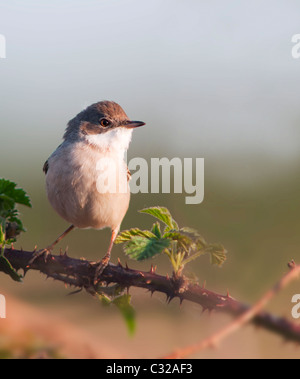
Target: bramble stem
point(80, 273)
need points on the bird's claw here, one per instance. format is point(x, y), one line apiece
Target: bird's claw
point(41, 253)
point(99, 268)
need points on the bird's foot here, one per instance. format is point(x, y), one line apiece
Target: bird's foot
point(41, 253)
point(99, 268)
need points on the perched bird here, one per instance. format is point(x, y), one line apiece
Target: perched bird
point(87, 176)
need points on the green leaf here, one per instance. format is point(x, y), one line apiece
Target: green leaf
point(218, 254)
point(2, 230)
point(141, 248)
point(194, 236)
point(105, 300)
point(162, 214)
point(7, 268)
point(127, 235)
point(156, 230)
point(127, 311)
point(188, 239)
point(193, 233)
point(109, 292)
point(113, 295)
point(7, 204)
point(144, 244)
point(183, 242)
point(8, 190)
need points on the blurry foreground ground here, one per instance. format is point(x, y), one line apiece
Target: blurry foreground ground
point(44, 332)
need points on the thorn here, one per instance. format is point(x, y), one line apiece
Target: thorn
point(25, 270)
point(181, 300)
point(169, 299)
point(228, 296)
point(142, 274)
point(153, 269)
point(167, 276)
point(204, 309)
point(12, 247)
point(35, 249)
point(126, 266)
point(204, 284)
point(74, 292)
point(119, 263)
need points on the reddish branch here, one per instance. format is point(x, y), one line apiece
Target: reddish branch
point(80, 273)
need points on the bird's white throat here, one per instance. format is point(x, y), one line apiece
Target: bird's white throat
point(117, 139)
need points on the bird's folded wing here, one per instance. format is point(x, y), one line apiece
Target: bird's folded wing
point(128, 175)
point(46, 167)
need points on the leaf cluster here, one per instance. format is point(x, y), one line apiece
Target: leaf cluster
point(181, 245)
point(10, 223)
point(114, 295)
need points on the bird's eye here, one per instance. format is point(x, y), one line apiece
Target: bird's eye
point(104, 122)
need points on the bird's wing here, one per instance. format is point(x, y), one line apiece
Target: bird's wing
point(46, 167)
point(46, 164)
point(128, 175)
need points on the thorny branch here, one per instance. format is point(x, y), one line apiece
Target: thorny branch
point(80, 273)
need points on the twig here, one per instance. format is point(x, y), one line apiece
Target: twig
point(80, 273)
point(240, 321)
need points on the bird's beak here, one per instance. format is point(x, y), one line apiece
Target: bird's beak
point(133, 124)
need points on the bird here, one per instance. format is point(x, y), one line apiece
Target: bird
point(87, 178)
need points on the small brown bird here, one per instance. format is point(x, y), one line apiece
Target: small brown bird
point(87, 176)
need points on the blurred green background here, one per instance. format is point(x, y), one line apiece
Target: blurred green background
point(214, 80)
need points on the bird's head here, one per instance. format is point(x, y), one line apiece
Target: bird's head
point(103, 125)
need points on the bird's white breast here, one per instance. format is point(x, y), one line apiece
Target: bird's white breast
point(84, 190)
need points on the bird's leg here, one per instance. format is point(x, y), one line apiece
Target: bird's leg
point(48, 249)
point(100, 266)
